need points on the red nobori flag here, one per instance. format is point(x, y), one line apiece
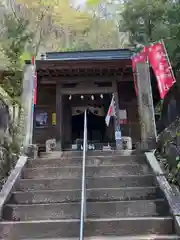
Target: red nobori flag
point(110, 112)
point(35, 88)
point(33, 60)
point(35, 81)
point(162, 68)
point(140, 57)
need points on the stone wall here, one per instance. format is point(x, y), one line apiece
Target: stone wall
point(7, 158)
point(170, 109)
point(168, 151)
point(7, 163)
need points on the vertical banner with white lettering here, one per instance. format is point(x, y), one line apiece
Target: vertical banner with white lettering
point(162, 68)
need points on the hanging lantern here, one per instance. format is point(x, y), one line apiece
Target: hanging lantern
point(70, 97)
point(92, 97)
point(82, 97)
point(101, 96)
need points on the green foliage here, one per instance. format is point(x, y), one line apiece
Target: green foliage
point(173, 43)
point(93, 2)
point(142, 18)
point(148, 21)
point(76, 46)
point(16, 37)
point(24, 56)
point(14, 42)
point(158, 108)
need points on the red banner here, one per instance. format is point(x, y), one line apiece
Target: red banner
point(35, 88)
point(138, 58)
point(160, 63)
point(33, 60)
point(35, 81)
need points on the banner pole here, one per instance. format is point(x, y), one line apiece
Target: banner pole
point(34, 92)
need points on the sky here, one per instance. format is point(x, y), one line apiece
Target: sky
point(80, 1)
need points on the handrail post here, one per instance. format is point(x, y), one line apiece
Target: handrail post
point(83, 189)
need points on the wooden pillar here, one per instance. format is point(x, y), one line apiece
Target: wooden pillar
point(70, 123)
point(67, 128)
point(59, 117)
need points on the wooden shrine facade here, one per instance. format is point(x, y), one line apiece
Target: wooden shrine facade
point(61, 76)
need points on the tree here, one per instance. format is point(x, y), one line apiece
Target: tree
point(56, 23)
point(59, 25)
point(173, 42)
point(13, 45)
point(37, 14)
point(148, 21)
point(14, 39)
point(143, 19)
point(105, 24)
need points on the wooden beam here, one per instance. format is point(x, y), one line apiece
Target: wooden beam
point(97, 90)
point(80, 102)
point(53, 80)
point(78, 79)
point(51, 64)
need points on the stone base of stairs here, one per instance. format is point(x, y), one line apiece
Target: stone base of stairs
point(145, 237)
point(95, 209)
point(123, 200)
point(107, 227)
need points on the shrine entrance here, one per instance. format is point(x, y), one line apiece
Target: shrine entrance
point(96, 106)
point(95, 125)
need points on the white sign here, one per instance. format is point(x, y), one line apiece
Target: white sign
point(122, 114)
point(118, 135)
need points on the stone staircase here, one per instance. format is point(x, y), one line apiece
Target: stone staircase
point(123, 200)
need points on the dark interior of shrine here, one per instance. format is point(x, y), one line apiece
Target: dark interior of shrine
point(96, 126)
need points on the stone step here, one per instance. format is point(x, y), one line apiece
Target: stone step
point(140, 208)
point(74, 154)
point(73, 172)
point(101, 194)
point(93, 227)
point(99, 182)
point(90, 161)
point(139, 237)
point(111, 153)
point(51, 154)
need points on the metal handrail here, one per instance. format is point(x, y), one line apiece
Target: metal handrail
point(83, 189)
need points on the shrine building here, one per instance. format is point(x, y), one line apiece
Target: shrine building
point(70, 82)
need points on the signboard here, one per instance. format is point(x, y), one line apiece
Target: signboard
point(53, 118)
point(41, 119)
point(118, 135)
point(123, 116)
